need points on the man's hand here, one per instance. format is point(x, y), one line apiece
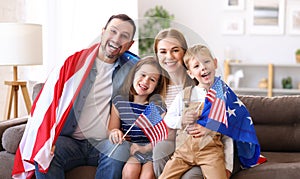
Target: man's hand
point(52, 150)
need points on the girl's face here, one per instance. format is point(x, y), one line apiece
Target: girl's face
point(170, 54)
point(203, 68)
point(145, 80)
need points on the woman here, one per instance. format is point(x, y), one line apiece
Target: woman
point(170, 46)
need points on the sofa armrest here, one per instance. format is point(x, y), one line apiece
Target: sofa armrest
point(9, 123)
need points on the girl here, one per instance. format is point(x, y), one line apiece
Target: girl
point(145, 83)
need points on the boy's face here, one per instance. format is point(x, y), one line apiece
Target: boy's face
point(203, 69)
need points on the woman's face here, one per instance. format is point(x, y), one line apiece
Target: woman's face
point(146, 79)
point(170, 54)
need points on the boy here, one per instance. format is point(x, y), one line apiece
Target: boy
point(207, 150)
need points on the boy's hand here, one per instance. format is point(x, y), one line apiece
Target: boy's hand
point(189, 117)
point(196, 130)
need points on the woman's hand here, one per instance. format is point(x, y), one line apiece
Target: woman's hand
point(116, 136)
point(228, 173)
point(196, 130)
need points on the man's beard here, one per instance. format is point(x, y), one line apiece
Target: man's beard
point(109, 55)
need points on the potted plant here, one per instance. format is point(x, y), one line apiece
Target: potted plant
point(156, 19)
point(297, 53)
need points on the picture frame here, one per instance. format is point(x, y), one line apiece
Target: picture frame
point(293, 21)
point(233, 26)
point(234, 4)
point(266, 17)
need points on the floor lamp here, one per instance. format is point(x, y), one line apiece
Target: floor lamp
point(20, 44)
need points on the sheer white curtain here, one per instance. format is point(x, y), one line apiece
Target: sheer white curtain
point(71, 25)
point(68, 26)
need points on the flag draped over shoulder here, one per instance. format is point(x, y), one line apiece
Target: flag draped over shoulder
point(152, 124)
point(49, 112)
point(225, 113)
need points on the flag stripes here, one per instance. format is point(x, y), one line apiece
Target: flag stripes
point(218, 109)
point(152, 124)
point(54, 104)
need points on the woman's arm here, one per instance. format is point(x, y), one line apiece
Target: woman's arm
point(229, 152)
point(173, 115)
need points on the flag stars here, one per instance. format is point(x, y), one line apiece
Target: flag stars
point(239, 102)
point(231, 111)
point(250, 119)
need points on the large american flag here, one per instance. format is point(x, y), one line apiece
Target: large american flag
point(49, 113)
point(50, 110)
point(152, 124)
point(224, 112)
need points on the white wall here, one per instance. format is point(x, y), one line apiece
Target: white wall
point(72, 25)
point(205, 17)
point(68, 26)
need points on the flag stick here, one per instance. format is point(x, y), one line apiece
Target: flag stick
point(115, 147)
point(195, 111)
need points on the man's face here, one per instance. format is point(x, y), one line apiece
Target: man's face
point(116, 39)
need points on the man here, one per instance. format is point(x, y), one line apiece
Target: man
point(76, 118)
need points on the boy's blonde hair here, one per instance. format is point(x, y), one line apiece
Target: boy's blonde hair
point(195, 52)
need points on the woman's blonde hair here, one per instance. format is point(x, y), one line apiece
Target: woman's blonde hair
point(176, 34)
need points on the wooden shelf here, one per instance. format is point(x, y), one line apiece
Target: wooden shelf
point(286, 91)
point(271, 73)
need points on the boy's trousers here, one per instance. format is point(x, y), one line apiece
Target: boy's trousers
point(206, 151)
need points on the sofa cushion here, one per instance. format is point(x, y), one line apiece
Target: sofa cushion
point(6, 165)
point(276, 121)
point(279, 165)
point(9, 123)
point(12, 137)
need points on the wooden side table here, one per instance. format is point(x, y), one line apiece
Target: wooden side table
point(14, 87)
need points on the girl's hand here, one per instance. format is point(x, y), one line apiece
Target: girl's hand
point(189, 117)
point(116, 136)
point(143, 149)
point(196, 130)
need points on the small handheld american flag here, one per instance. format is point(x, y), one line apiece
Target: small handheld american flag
point(152, 124)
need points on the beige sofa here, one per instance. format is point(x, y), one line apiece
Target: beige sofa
point(277, 124)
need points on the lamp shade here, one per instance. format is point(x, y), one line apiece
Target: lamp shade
point(21, 44)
